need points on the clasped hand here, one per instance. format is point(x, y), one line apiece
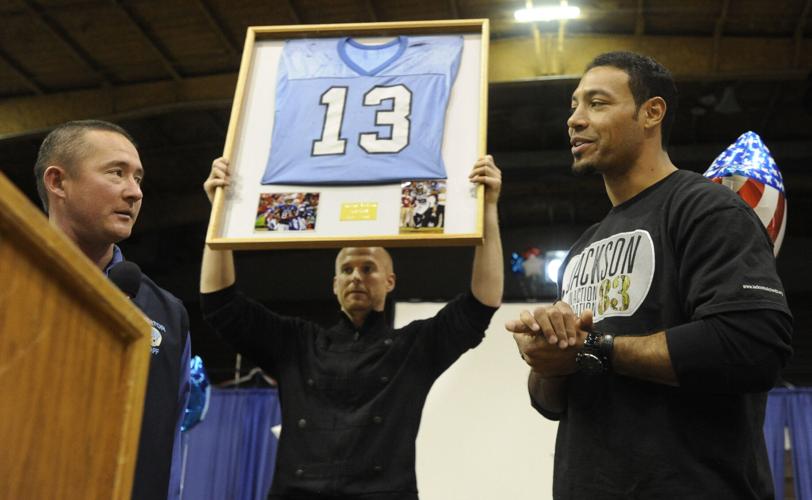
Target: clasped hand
point(549, 337)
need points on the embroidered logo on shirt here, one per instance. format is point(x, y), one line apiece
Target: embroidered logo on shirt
point(157, 336)
point(611, 276)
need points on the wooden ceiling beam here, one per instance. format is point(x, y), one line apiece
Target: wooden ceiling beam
point(218, 27)
point(717, 34)
point(295, 16)
point(20, 73)
point(453, 9)
point(689, 58)
point(640, 19)
point(35, 114)
point(372, 14)
point(767, 58)
point(62, 37)
point(151, 40)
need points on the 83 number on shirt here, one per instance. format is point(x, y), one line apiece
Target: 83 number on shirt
point(397, 118)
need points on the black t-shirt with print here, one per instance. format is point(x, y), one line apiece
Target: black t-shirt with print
point(682, 250)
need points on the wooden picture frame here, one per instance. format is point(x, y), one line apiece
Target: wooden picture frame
point(249, 215)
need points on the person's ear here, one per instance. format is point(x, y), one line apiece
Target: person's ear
point(654, 112)
point(54, 180)
point(335, 286)
point(390, 282)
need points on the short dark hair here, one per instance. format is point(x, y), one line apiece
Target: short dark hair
point(65, 146)
point(647, 79)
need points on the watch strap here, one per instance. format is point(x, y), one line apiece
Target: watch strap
point(595, 355)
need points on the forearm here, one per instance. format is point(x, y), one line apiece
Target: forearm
point(217, 270)
point(645, 358)
point(487, 277)
point(548, 393)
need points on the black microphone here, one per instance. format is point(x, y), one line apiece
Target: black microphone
point(126, 276)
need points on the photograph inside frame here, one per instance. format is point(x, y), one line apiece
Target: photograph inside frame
point(422, 206)
point(287, 212)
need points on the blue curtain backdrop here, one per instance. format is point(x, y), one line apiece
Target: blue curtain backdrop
point(231, 454)
point(790, 408)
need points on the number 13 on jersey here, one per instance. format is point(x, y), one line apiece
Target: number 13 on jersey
point(396, 118)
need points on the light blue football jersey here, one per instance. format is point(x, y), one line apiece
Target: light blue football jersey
point(349, 113)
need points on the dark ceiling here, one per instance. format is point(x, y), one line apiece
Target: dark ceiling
point(166, 71)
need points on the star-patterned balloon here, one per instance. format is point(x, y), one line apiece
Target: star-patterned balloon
point(748, 168)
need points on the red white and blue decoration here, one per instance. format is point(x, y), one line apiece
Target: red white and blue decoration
point(528, 264)
point(748, 168)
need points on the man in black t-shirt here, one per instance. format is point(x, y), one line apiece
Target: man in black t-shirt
point(671, 322)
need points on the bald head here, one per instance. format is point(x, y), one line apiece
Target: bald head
point(379, 254)
point(363, 278)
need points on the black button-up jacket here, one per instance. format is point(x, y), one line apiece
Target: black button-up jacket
point(351, 398)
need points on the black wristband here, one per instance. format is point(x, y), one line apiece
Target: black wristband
point(606, 347)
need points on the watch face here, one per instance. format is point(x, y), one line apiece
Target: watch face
point(589, 362)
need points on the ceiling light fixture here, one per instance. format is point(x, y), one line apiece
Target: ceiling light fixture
point(547, 13)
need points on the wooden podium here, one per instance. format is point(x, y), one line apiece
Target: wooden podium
point(74, 355)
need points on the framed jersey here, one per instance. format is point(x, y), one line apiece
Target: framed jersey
point(348, 120)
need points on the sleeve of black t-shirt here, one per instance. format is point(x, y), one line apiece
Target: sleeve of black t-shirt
point(731, 352)
point(459, 326)
point(725, 257)
point(250, 328)
point(741, 324)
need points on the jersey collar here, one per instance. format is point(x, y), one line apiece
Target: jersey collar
point(342, 52)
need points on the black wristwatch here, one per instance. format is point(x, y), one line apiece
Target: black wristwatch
point(595, 355)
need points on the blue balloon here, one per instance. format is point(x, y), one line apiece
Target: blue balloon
point(199, 396)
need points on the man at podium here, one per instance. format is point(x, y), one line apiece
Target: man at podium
point(89, 177)
point(352, 395)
